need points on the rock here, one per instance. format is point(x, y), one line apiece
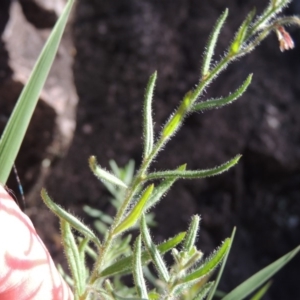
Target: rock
point(42, 13)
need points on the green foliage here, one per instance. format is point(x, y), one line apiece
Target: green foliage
point(211, 44)
point(134, 194)
point(248, 286)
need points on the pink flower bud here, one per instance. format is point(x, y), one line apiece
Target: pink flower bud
point(284, 38)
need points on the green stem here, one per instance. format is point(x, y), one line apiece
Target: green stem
point(209, 78)
point(259, 22)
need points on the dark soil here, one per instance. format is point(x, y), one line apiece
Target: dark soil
point(119, 44)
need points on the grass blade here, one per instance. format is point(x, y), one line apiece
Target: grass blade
point(262, 291)
point(255, 281)
point(214, 287)
point(17, 125)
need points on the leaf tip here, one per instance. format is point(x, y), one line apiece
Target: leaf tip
point(92, 162)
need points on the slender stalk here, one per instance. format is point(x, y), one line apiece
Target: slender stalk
point(209, 78)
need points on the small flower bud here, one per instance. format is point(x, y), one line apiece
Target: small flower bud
point(284, 38)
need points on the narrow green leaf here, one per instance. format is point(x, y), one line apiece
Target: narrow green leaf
point(73, 221)
point(210, 264)
point(191, 235)
point(121, 248)
point(194, 257)
point(176, 119)
point(161, 190)
point(103, 174)
point(17, 125)
point(196, 173)
point(76, 267)
point(91, 252)
point(125, 264)
point(109, 289)
point(129, 172)
point(154, 252)
point(255, 281)
point(219, 102)
point(212, 292)
point(138, 275)
point(241, 35)
point(268, 14)
point(211, 44)
point(96, 213)
point(136, 212)
point(148, 122)
point(115, 168)
point(262, 291)
point(204, 291)
point(82, 249)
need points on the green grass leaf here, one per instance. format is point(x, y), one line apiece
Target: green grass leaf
point(215, 285)
point(255, 281)
point(262, 291)
point(17, 125)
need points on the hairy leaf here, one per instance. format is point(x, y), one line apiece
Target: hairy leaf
point(124, 265)
point(195, 174)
